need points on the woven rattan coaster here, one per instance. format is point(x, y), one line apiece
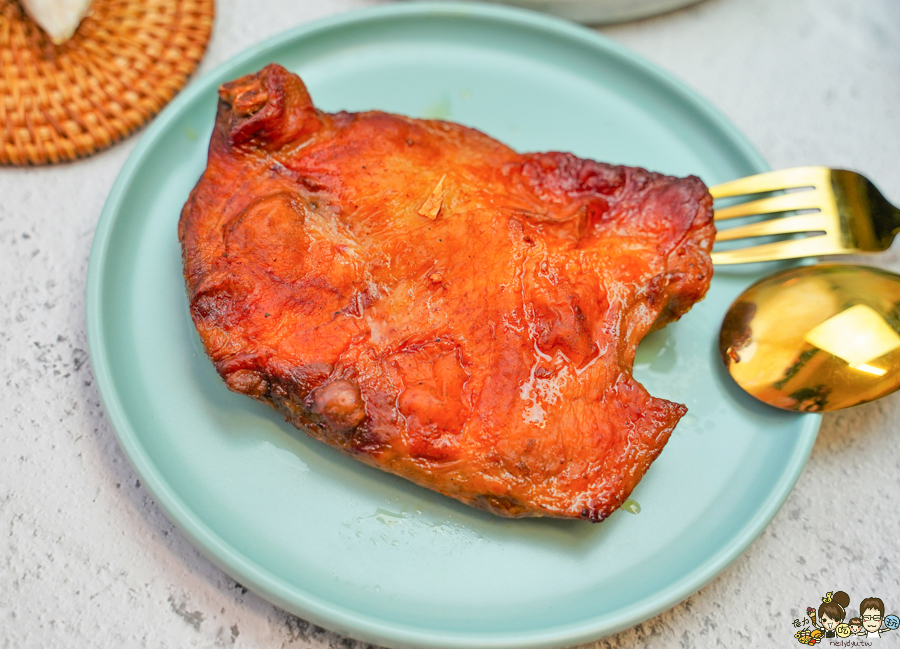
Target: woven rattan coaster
point(125, 62)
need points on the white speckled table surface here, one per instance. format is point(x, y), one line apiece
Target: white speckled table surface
point(88, 560)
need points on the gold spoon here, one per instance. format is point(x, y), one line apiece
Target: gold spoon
point(815, 338)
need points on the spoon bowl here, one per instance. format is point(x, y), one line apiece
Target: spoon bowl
point(816, 338)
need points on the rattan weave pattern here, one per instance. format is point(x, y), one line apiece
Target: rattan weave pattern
point(125, 62)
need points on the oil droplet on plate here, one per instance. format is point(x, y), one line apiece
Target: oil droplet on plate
point(440, 109)
point(403, 525)
point(631, 506)
point(666, 359)
point(387, 517)
point(656, 353)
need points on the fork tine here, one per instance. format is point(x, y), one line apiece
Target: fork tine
point(773, 181)
point(783, 203)
point(786, 225)
point(791, 249)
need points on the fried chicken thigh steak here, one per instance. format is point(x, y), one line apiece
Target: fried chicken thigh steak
point(436, 305)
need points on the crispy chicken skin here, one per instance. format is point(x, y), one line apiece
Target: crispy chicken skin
point(436, 305)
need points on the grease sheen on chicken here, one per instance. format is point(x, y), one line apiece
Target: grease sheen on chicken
point(435, 304)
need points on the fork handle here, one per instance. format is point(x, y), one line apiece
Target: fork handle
point(872, 220)
point(885, 218)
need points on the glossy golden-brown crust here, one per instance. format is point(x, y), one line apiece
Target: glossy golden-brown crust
point(437, 305)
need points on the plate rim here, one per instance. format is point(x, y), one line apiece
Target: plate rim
point(269, 586)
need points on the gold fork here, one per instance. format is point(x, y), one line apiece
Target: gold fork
point(852, 216)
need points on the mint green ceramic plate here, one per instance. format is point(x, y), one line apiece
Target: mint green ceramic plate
point(362, 552)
